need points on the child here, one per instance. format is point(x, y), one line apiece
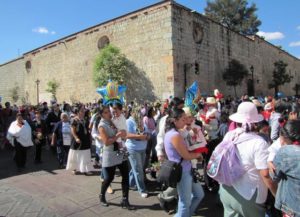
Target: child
point(119, 121)
point(195, 137)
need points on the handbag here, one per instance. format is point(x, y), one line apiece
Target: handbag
point(170, 173)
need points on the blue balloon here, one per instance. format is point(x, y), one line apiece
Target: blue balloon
point(190, 95)
point(280, 94)
point(113, 95)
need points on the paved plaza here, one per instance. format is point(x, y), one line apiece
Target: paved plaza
point(44, 190)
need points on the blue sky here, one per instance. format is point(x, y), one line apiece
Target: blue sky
point(26, 25)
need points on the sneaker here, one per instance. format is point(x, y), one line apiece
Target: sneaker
point(74, 172)
point(144, 195)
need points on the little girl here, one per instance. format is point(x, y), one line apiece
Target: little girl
point(119, 121)
point(195, 137)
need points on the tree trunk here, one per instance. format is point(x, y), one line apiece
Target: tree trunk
point(235, 91)
point(276, 90)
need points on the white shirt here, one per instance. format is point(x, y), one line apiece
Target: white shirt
point(253, 155)
point(66, 133)
point(120, 123)
point(160, 136)
point(22, 134)
point(273, 149)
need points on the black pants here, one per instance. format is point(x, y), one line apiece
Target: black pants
point(109, 173)
point(211, 147)
point(38, 150)
point(150, 152)
point(20, 154)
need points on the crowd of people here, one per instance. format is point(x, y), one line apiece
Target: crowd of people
point(137, 138)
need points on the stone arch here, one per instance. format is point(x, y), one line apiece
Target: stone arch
point(103, 41)
point(28, 65)
point(198, 33)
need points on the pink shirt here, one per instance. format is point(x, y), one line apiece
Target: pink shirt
point(149, 124)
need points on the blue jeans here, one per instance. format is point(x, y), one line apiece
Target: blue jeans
point(136, 174)
point(190, 195)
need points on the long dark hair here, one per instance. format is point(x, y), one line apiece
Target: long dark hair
point(150, 111)
point(291, 130)
point(175, 114)
point(102, 108)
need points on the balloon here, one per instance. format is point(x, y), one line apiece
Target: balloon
point(190, 95)
point(280, 94)
point(112, 93)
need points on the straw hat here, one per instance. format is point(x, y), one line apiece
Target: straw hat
point(211, 100)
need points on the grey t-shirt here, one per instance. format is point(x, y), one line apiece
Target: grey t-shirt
point(110, 157)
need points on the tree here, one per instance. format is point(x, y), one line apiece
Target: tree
point(234, 74)
point(234, 14)
point(296, 88)
point(15, 93)
point(280, 76)
point(52, 87)
point(110, 64)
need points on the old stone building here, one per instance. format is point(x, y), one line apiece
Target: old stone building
point(170, 45)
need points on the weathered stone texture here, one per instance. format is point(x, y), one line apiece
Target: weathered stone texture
point(11, 75)
point(160, 41)
point(219, 45)
point(145, 39)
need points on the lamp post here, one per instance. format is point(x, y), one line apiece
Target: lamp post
point(252, 78)
point(37, 90)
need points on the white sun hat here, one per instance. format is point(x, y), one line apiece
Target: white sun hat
point(246, 113)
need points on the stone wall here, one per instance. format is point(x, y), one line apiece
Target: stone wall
point(144, 37)
point(200, 41)
point(12, 75)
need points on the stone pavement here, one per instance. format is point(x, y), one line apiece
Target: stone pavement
point(46, 191)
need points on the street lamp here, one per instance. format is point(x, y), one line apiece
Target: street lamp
point(252, 78)
point(37, 90)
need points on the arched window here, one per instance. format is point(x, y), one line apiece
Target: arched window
point(28, 66)
point(102, 42)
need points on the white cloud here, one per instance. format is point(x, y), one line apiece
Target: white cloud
point(271, 35)
point(295, 44)
point(298, 27)
point(43, 30)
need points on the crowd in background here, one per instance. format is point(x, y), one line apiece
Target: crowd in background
point(136, 138)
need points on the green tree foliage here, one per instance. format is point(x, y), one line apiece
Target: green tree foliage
point(280, 76)
point(234, 74)
point(234, 14)
point(52, 87)
point(110, 64)
point(15, 93)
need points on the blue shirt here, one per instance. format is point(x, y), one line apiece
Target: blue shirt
point(134, 144)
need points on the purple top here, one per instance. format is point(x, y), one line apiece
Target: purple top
point(171, 152)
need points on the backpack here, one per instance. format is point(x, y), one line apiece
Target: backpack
point(224, 165)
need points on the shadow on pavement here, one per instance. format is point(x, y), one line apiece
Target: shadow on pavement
point(8, 167)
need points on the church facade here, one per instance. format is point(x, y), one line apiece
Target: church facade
point(170, 45)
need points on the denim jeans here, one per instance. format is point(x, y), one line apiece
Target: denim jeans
point(190, 195)
point(136, 174)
